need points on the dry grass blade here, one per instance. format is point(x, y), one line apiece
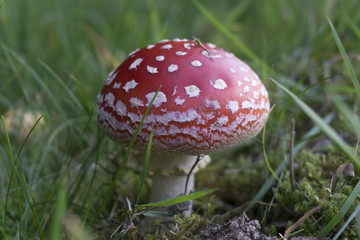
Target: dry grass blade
point(303, 218)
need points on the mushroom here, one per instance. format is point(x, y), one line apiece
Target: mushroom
point(209, 101)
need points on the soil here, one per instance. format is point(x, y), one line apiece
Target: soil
point(237, 228)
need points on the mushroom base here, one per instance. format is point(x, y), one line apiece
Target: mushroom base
point(170, 175)
point(169, 181)
point(165, 187)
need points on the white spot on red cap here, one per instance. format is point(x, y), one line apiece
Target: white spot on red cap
point(159, 58)
point(220, 122)
point(151, 70)
point(180, 40)
point(196, 63)
point(248, 118)
point(206, 54)
point(246, 79)
point(116, 85)
point(180, 53)
point(192, 91)
point(150, 46)
point(109, 98)
point(135, 102)
point(160, 98)
point(229, 54)
point(219, 84)
point(246, 89)
point(256, 94)
point(263, 91)
point(173, 68)
point(233, 106)
point(130, 85)
point(120, 108)
point(133, 52)
point(110, 78)
point(253, 82)
point(212, 103)
point(210, 116)
point(253, 105)
point(243, 69)
point(187, 46)
point(179, 101)
point(100, 98)
point(239, 83)
point(176, 116)
point(211, 45)
point(135, 63)
point(166, 46)
point(174, 92)
point(232, 70)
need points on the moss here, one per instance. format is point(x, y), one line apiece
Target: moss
point(313, 176)
point(185, 228)
point(271, 230)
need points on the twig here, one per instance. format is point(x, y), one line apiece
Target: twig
point(340, 170)
point(198, 42)
point(291, 162)
point(346, 169)
point(303, 218)
point(191, 170)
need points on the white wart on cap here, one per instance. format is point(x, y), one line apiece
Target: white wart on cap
point(207, 102)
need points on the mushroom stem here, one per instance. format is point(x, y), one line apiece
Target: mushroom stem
point(165, 187)
point(169, 179)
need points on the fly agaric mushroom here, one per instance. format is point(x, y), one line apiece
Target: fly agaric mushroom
point(209, 101)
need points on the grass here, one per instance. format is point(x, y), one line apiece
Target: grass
point(57, 177)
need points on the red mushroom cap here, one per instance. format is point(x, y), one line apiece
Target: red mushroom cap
point(209, 99)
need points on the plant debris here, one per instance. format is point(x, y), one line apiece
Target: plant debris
point(237, 228)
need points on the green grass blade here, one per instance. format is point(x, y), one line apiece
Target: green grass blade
point(326, 129)
point(18, 173)
point(351, 24)
point(357, 224)
point(343, 210)
point(2, 212)
point(265, 187)
point(348, 221)
point(230, 36)
point(157, 214)
point(348, 115)
point(27, 137)
point(264, 150)
point(179, 199)
point(238, 11)
point(74, 189)
point(91, 194)
point(58, 214)
point(37, 79)
point(71, 94)
point(346, 59)
point(14, 172)
point(146, 163)
point(16, 162)
point(123, 161)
